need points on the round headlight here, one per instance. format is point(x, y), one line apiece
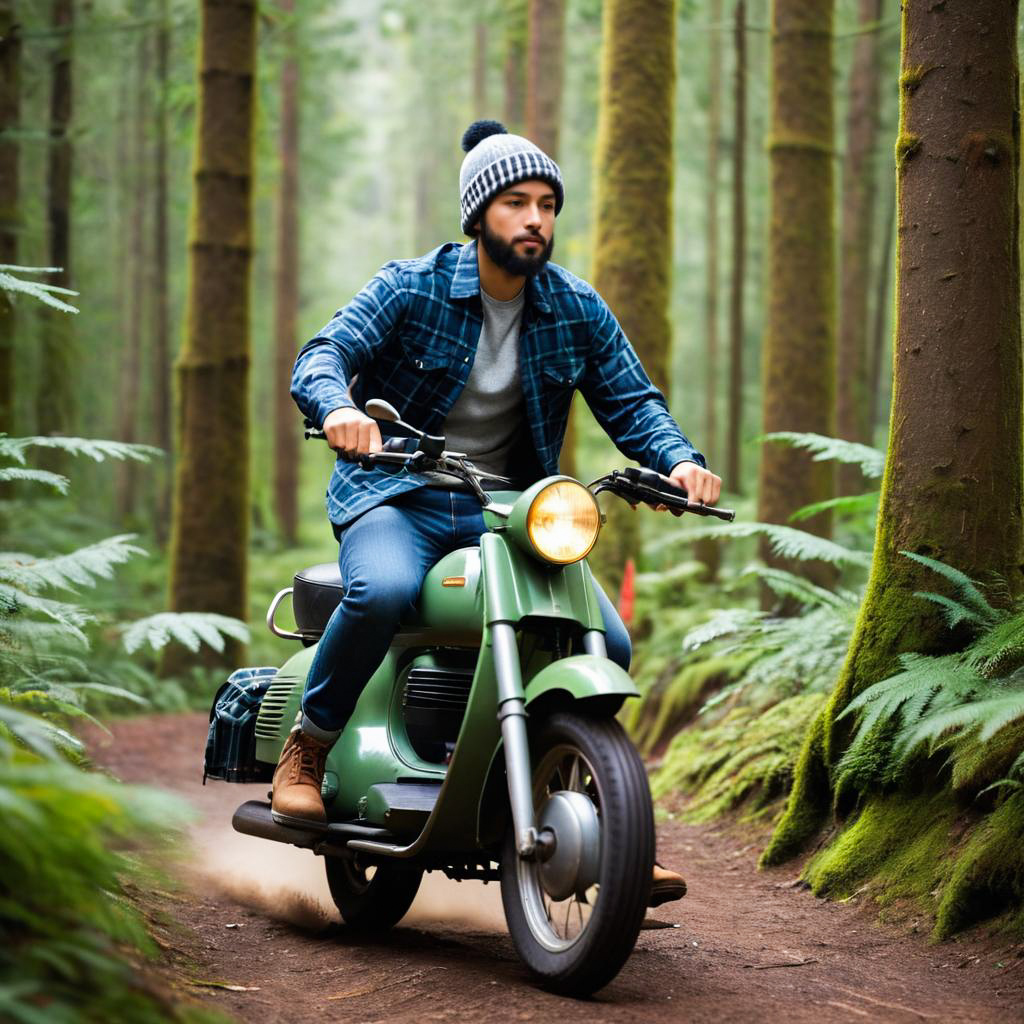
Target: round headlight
point(563, 522)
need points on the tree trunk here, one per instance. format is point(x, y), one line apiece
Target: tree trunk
point(633, 186)
point(55, 401)
point(952, 484)
point(734, 467)
point(131, 366)
point(855, 247)
point(211, 481)
point(799, 348)
point(10, 101)
point(544, 80)
point(286, 297)
point(160, 309)
point(545, 72)
point(515, 64)
point(480, 69)
point(710, 445)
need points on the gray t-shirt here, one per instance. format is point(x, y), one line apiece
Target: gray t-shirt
point(487, 416)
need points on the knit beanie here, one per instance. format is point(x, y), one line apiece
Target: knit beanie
point(495, 160)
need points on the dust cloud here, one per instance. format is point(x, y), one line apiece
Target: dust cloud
point(290, 885)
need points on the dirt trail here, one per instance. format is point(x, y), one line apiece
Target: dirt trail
point(749, 946)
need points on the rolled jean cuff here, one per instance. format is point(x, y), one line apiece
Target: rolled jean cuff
point(310, 728)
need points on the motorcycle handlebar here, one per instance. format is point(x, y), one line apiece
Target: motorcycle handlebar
point(632, 484)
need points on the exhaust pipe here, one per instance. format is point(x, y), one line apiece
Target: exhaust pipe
point(253, 818)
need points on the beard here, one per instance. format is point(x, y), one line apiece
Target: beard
point(504, 255)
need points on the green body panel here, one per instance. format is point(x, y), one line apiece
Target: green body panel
point(503, 584)
point(517, 585)
point(580, 677)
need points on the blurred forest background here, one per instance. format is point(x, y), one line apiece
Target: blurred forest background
point(801, 183)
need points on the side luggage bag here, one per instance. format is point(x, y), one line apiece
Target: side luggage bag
point(231, 741)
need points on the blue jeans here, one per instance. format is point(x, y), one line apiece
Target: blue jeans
point(384, 556)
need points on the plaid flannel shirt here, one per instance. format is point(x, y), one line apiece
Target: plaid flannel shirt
point(410, 337)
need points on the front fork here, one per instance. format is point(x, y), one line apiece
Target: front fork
point(512, 717)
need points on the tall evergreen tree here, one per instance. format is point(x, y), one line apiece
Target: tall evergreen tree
point(799, 346)
point(210, 527)
point(733, 465)
point(544, 86)
point(10, 103)
point(286, 292)
point(55, 401)
point(161, 286)
point(710, 443)
point(480, 68)
point(952, 484)
point(515, 15)
point(633, 198)
point(855, 249)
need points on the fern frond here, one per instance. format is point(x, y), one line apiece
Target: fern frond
point(999, 649)
point(96, 449)
point(962, 583)
point(722, 623)
point(191, 629)
point(39, 476)
point(785, 541)
point(42, 737)
point(954, 612)
point(70, 617)
point(825, 449)
point(847, 503)
point(807, 594)
point(78, 568)
point(45, 293)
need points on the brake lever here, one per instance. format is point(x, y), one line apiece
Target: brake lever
point(633, 485)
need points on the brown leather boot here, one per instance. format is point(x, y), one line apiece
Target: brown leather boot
point(297, 780)
point(666, 886)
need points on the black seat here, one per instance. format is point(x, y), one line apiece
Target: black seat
point(317, 592)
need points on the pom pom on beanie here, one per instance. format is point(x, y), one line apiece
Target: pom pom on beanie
point(480, 130)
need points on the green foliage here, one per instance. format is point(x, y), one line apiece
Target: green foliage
point(962, 702)
point(744, 762)
point(45, 293)
point(73, 939)
point(191, 629)
point(824, 449)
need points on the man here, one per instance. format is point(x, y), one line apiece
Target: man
point(484, 343)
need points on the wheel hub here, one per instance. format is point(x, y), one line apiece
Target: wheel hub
point(573, 866)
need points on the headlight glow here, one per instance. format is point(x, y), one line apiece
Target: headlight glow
point(563, 522)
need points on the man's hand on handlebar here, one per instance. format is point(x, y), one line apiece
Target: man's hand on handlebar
point(352, 433)
point(700, 485)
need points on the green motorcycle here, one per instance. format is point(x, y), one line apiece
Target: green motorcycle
point(485, 745)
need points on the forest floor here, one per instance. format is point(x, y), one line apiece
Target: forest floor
point(743, 945)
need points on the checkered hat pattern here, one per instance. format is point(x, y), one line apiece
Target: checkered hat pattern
point(496, 160)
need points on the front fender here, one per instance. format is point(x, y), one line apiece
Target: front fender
point(583, 677)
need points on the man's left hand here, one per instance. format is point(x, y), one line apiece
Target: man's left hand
point(700, 484)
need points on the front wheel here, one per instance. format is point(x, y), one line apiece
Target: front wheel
point(371, 898)
point(575, 917)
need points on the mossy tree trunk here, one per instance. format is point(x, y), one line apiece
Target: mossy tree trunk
point(952, 485)
point(286, 296)
point(733, 464)
point(633, 187)
point(799, 344)
point(545, 73)
point(55, 401)
point(10, 104)
point(211, 481)
point(515, 15)
point(708, 552)
point(855, 247)
point(161, 300)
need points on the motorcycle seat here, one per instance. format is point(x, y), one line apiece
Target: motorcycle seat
point(317, 591)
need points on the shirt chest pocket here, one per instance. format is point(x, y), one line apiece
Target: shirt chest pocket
point(562, 374)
